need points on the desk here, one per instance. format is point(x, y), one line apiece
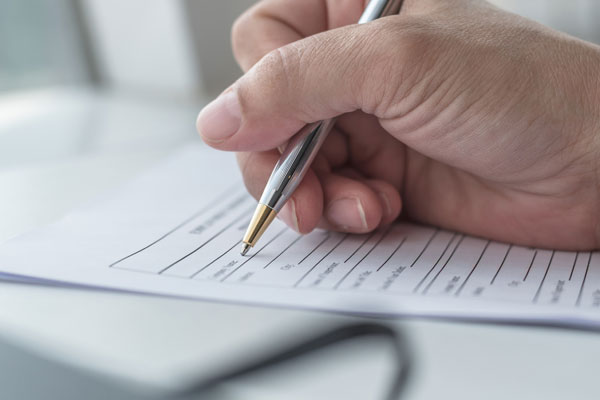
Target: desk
point(152, 339)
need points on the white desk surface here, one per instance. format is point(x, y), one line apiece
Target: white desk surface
point(145, 338)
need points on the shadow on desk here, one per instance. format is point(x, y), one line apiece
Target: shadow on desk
point(27, 376)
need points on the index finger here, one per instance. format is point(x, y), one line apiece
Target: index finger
point(271, 24)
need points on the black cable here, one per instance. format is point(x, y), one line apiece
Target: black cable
point(335, 336)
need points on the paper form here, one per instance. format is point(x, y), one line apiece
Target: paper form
point(177, 231)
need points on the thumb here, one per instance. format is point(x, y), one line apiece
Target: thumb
point(322, 76)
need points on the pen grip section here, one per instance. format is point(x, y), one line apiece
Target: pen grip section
point(294, 163)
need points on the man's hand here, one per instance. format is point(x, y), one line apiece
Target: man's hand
point(454, 112)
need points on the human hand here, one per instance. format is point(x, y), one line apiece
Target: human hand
point(454, 112)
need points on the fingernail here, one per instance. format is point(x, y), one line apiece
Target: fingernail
point(289, 216)
point(387, 207)
point(221, 118)
point(347, 213)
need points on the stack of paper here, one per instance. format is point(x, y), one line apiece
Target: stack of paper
point(177, 231)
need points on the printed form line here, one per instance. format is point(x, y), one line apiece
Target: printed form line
point(473, 269)
point(393, 252)
point(206, 242)
point(436, 263)
point(501, 264)
point(573, 268)
point(530, 265)
point(361, 260)
point(255, 254)
point(213, 203)
point(424, 248)
point(537, 294)
point(587, 268)
point(322, 258)
point(216, 259)
point(360, 247)
point(443, 266)
point(315, 249)
point(283, 251)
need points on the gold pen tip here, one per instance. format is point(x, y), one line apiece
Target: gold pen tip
point(245, 248)
point(263, 216)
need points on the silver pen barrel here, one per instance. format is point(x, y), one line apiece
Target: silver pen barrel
point(380, 8)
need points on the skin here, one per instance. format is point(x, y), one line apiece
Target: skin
point(453, 113)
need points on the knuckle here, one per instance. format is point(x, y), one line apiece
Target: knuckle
point(239, 32)
point(244, 29)
point(400, 49)
point(268, 86)
point(278, 70)
point(281, 62)
point(417, 36)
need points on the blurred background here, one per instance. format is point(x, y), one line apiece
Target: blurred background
point(79, 76)
point(113, 84)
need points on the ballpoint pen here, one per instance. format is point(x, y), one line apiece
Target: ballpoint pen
point(300, 152)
